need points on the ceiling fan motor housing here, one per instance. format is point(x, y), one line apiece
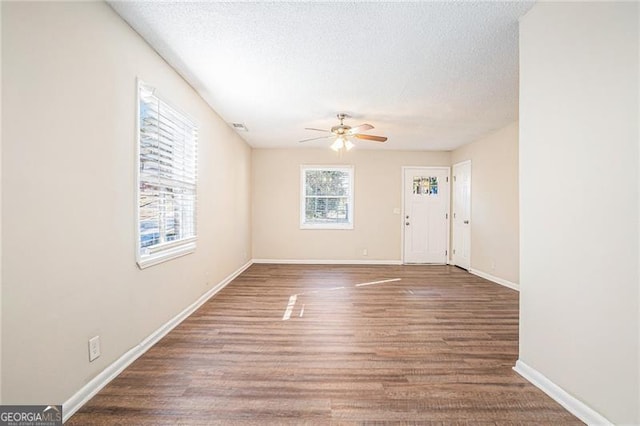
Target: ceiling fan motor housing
point(341, 129)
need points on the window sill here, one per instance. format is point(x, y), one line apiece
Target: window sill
point(167, 253)
point(346, 226)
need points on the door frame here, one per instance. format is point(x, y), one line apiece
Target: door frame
point(452, 261)
point(402, 227)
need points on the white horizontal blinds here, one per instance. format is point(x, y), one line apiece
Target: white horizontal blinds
point(327, 196)
point(168, 158)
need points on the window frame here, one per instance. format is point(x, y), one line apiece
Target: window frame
point(166, 251)
point(350, 199)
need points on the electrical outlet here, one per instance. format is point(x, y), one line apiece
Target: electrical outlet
point(365, 252)
point(94, 348)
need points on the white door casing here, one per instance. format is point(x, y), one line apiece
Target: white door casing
point(461, 212)
point(425, 214)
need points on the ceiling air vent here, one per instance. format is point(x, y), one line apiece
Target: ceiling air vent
point(240, 127)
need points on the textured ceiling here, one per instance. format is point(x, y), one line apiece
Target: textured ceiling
point(428, 75)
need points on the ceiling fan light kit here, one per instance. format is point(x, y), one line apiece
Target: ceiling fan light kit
point(343, 132)
point(342, 143)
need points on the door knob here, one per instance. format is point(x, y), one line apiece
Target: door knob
point(466, 222)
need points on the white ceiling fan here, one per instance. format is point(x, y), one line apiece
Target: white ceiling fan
point(343, 132)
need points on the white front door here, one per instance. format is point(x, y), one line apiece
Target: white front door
point(426, 214)
point(461, 255)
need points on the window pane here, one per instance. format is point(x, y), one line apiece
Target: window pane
point(425, 185)
point(327, 210)
point(327, 182)
point(311, 205)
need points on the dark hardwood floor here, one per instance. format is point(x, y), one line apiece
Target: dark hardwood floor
point(302, 344)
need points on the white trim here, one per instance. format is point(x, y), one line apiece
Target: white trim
point(327, 262)
point(183, 248)
point(495, 279)
point(88, 391)
point(136, 167)
point(576, 407)
point(321, 226)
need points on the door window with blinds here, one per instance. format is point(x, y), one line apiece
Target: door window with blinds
point(167, 159)
point(326, 197)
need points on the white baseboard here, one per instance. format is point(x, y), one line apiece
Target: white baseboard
point(88, 391)
point(573, 405)
point(496, 280)
point(328, 262)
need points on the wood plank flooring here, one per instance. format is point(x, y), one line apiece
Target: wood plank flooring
point(362, 344)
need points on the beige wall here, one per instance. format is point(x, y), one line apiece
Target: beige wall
point(579, 317)
point(494, 202)
point(1, 273)
point(378, 187)
point(68, 141)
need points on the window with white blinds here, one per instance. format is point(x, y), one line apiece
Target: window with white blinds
point(167, 160)
point(326, 200)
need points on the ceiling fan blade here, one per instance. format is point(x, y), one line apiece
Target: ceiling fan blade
point(315, 139)
point(371, 137)
point(360, 128)
point(318, 130)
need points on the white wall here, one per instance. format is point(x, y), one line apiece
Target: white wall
point(68, 141)
point(494, 202)
point(378, 191)
point(579, 323)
